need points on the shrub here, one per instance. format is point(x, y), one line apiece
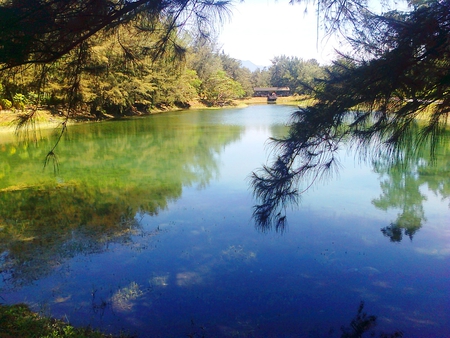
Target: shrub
point(33, 98)
point(5, 104)
point(19, 101)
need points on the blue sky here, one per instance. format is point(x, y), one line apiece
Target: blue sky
point(259, 30)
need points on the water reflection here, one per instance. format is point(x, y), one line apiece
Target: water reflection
point(44, 226)
point(363, 324)
point(168, 247)
point(109, 176)
point(404, 177)
point(402, 182)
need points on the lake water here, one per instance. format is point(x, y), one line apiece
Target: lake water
point(146, 226)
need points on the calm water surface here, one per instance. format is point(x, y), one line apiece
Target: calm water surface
point(146, 227)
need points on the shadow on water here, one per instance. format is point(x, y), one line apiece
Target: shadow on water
point(360, 326)
point(109, 177)
point(403, 174)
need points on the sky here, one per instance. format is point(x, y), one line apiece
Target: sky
point(259, 30)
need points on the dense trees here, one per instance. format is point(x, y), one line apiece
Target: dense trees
point(111, 55)
point(120, 57)
point(43, 31)
point(297, 74)
point(119, 76)
point(218, 84)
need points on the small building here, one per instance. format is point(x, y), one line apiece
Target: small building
point(264, 91)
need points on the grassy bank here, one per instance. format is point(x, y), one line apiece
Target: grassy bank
point(19, 321)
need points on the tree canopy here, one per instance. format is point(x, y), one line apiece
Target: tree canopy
point(140, 55)
point(45, 30)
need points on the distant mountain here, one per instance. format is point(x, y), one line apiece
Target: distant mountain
point(250, 65)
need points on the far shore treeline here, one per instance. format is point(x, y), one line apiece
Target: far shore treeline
point(121, 77)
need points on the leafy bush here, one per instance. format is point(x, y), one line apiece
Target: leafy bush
point(5, 104)
point(33, 98)
point(19, 101)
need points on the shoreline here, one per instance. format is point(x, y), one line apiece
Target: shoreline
point(45, 119)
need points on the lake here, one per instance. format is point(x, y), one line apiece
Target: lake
point(145, 226)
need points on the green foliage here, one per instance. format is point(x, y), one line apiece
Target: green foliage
point(19, 101)
point(89, 67)
point(299, 75)
point(218, 75)
point(187, 87)
point(240, 74)
point(32, 98)
point(116, 74)
point(45, 31)
point(119, 76)
point(219, 89)
point(19, 321)
point(5, 103)
point(260, 78)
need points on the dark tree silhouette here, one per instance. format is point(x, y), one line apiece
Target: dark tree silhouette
point(42, 31)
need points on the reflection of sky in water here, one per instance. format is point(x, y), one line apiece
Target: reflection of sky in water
point(200, 267)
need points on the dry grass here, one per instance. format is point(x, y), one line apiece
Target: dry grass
point(289, 100)
point(42, 118)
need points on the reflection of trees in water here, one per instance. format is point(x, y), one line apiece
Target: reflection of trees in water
point(109, 173)
point(403, 178)
point(401, 190)
point(364, 324)
point(43, 226)
point(305, 157)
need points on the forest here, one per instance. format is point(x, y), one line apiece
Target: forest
point(120, 76)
